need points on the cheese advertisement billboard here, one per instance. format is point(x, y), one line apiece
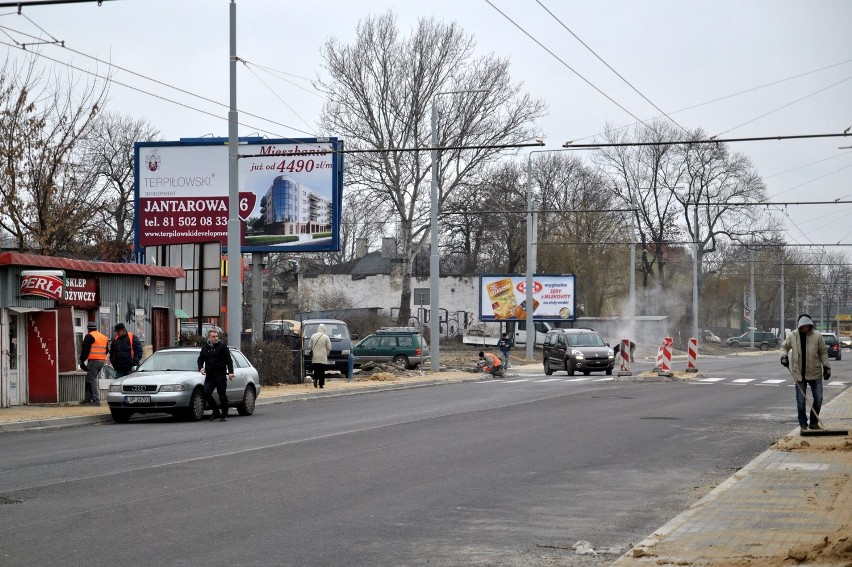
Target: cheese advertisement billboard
point(503, 297)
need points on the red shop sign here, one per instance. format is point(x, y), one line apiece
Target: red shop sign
point(49, 284)
point(81, 292)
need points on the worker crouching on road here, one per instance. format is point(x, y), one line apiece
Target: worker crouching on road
point(808, 364)
point(490, 362)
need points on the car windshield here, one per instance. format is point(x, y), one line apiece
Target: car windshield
point(830, 339)
point(585, 339)
point(165, 360)
point(334, 331)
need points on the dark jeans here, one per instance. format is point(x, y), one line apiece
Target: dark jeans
point(801, 391)
point(319, 373)
point(122, 370)
point(220, 384)
point(92, 390)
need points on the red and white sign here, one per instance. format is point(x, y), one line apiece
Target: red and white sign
point(747, 314)
point(81, 292)
point(42, 357)
point(49, 284)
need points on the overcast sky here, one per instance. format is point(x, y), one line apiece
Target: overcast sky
point(677, 53)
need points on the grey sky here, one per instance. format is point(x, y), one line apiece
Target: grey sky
point(677, 53)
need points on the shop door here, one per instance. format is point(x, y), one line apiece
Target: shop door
point(42, 363)
point(160, 328)
point(15, 382)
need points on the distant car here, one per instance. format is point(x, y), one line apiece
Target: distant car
point(282, 326)
point(168, 381)
point(580, 350)
point(833, 345)
point(709, 337)
point(403, 346)
point(341, 344)
point(190, 328)
point(845, 342)
point(763, 340)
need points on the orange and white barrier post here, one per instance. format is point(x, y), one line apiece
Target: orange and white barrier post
point(666, 361)
point(624, 351)
point(692, 360)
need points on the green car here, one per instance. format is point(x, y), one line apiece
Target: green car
point(403, 346)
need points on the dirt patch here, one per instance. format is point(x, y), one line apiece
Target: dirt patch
point(814, 444)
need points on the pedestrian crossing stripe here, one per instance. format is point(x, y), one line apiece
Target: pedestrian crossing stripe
point(773, 381)
point(513, 381)
point(711, 379)
point(550, 380)
point(743, 380)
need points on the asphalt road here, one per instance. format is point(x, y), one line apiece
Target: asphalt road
point(504, 472)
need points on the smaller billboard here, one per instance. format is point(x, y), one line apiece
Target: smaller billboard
point(49, 284)
point(503, 297)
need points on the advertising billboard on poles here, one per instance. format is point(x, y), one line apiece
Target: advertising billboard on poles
point(290, 193)
point(503, 297)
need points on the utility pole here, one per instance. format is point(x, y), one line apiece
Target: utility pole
point(235, 288)
point(781, 334)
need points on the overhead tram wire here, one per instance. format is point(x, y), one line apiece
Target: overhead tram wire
point(277, 72)
point(137, 89)
point(157, 81)
point(571, 146)
point(732, 95)
point(806, 165)
point(276, 95)
point(628, 83)
point(566, 65)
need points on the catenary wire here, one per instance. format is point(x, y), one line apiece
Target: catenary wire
point(619, 75)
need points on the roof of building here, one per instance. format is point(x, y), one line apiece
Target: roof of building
point(51, 262)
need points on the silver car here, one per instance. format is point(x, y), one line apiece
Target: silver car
point(168, 381)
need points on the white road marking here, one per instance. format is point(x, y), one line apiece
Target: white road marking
point(743, 380)
point(711, 379)
point(772, 381)
point(550, 380)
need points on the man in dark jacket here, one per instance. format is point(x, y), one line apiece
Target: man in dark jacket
point(505, 345)
point(213, 360)
point(125, 352)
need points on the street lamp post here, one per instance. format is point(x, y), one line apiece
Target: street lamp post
point(434, 258)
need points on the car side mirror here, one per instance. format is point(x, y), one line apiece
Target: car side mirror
point(355, 336)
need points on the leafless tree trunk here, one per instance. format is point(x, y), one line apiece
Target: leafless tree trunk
point(380, 91)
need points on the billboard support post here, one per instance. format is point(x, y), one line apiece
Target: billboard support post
point(235, 289)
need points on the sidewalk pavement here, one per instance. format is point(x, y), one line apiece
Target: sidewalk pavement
point(790, 505)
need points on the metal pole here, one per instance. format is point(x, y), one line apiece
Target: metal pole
point(752, 303)
point(235, 290)
point(530, 262)
point(256, 297)
point(434, 264)
point(632, 307)
point(781, 334)
point(695, 274)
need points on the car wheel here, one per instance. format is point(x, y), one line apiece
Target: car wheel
point(609, 371)
point(838, 355)
point(195, 410)
point(764, 346)
point(586, 372)
point(569, 367)
point(248, 403)
point(735, 344)
point(120, 416)
point(547, 369)
point(401, 361)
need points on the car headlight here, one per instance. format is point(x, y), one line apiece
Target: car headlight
point(115, 387)
point(345, 352)
point(578, 354)
point(610, 353)
point(172, 388)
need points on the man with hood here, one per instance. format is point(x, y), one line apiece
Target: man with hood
point(320, 346)
point(808, 364)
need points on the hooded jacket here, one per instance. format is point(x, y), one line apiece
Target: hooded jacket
point(320, 346)
point(815, 355)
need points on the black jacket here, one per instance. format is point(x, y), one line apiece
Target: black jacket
point(215, 359)
point(121, 355)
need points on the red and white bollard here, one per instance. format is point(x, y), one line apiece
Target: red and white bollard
point(624, 351)
point(692, 360)
point(666, 361)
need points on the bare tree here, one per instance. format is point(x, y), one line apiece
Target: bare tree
point(107, 150)
point(380, 90)
point(46, 196)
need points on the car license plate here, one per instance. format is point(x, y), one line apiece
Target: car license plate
point(137, 399)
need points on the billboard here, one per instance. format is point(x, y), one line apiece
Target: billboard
point(503, 297)
point(290, 193)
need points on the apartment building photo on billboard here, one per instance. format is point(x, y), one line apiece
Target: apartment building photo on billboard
point(290, 207)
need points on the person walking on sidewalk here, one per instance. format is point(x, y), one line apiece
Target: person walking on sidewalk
point(808, 364)
point(505, 345)
point(320, 346)
point(92, 358)
point(125, 352)
point(213, 360)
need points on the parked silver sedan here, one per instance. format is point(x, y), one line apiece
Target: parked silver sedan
point(168, 381)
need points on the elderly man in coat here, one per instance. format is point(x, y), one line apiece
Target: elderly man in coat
point(806, 356)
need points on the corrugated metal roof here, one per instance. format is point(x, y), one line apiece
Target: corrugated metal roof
point(32, 260)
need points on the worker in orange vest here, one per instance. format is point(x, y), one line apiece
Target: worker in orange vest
point(490, 362)
point(92, 358)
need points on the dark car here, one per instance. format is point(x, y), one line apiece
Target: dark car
point(833, 345)
point(580, 350)
point(341, 344)
point(403, 346)
point(763, 340)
